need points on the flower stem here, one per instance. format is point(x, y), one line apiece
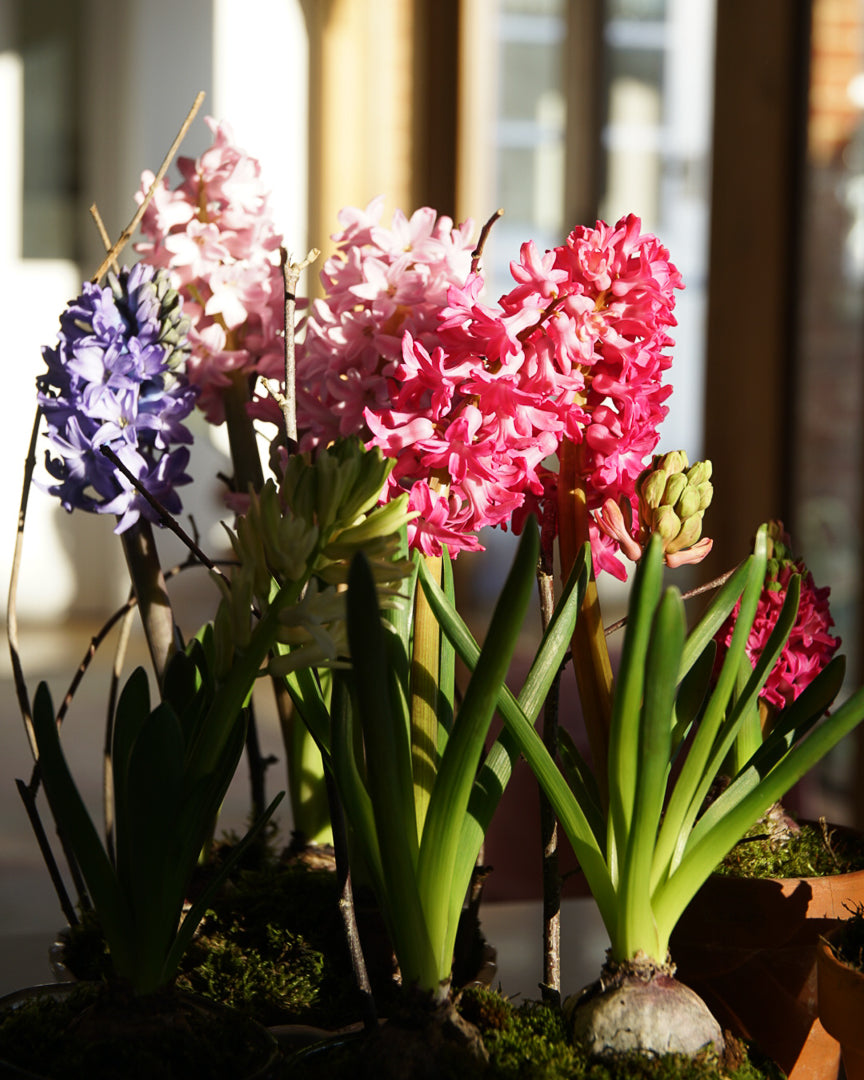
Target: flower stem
point(548, 822)
point(424, 697)
point(246, 460)
point(139, 546)
point(590, 654)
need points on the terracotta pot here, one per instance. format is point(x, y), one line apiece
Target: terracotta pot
point(748, 947)
point(841, 1006)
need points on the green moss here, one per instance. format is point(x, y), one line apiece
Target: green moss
point(810, 852)
point(272, 946)
point(272, 984)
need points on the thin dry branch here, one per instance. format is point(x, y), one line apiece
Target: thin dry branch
point(12, 604)
point(709, 586)
point(291, 272)
point(129, 231)
point(164, 517)
point(103, 233)
point(477, 253)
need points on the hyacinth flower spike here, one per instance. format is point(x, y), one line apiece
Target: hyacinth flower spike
point(215, 234)
point(115, 383)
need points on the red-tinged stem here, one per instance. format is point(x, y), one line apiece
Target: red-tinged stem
point(590, 655)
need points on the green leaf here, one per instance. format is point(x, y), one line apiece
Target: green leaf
point(692, 694)
point(446, 663)
point(792, 724)
point(382, 713)
point(637, 930)
point(582, 783)
point(703, 855)
point(684, 802)
point(714, 616)
point(497, 767)
point(624, 761)
point(155, 877)
point(449, 799)
point(71, 815)
point(305, 690)
point(133, 709)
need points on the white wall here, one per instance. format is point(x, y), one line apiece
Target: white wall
point(144, 61)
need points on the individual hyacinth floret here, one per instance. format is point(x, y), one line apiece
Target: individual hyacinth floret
point(810, 644)
point(116, 379)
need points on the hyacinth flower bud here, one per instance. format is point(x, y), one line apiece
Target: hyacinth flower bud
point(673, 497)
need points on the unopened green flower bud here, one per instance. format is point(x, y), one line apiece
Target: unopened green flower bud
point(688, 534)
point(675, 485)
point(673, 496)
point(699, 473)
point(667, 523)
point(689, 502)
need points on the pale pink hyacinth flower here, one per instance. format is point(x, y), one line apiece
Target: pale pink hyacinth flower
point(216, 235)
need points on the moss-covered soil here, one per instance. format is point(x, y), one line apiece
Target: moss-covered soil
point(529, 1042)
point(815, 850)
point(272, 946)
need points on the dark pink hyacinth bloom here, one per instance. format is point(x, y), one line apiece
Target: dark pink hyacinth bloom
point(472, 400)
point(810, 644)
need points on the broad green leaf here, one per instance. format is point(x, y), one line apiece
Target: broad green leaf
point(623, 755)
point(702, 857)
point(692, 694)
point(69, 811)
point(449, 799)
point(662, 664)
point(384, 725)
point(683, 802)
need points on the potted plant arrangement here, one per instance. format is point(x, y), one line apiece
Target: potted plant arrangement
point(408, 417)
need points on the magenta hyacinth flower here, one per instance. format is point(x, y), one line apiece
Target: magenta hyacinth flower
point(810, 644)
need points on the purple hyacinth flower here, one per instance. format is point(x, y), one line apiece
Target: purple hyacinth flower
point(115, 379)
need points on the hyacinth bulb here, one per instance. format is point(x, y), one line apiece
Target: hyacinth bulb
point(115, 378)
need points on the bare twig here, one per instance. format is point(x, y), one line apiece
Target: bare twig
point(477, 253)
point(164, 517)
point(103, 233)
point(291, 272)
point(551, 879)
point(12, 604)
point(29, 800)
point(709, 586)
point(129, 231)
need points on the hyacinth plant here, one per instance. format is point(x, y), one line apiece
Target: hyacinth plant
point(115, 384)
point(215, 236)
point(113, 401)
point(571, 362)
